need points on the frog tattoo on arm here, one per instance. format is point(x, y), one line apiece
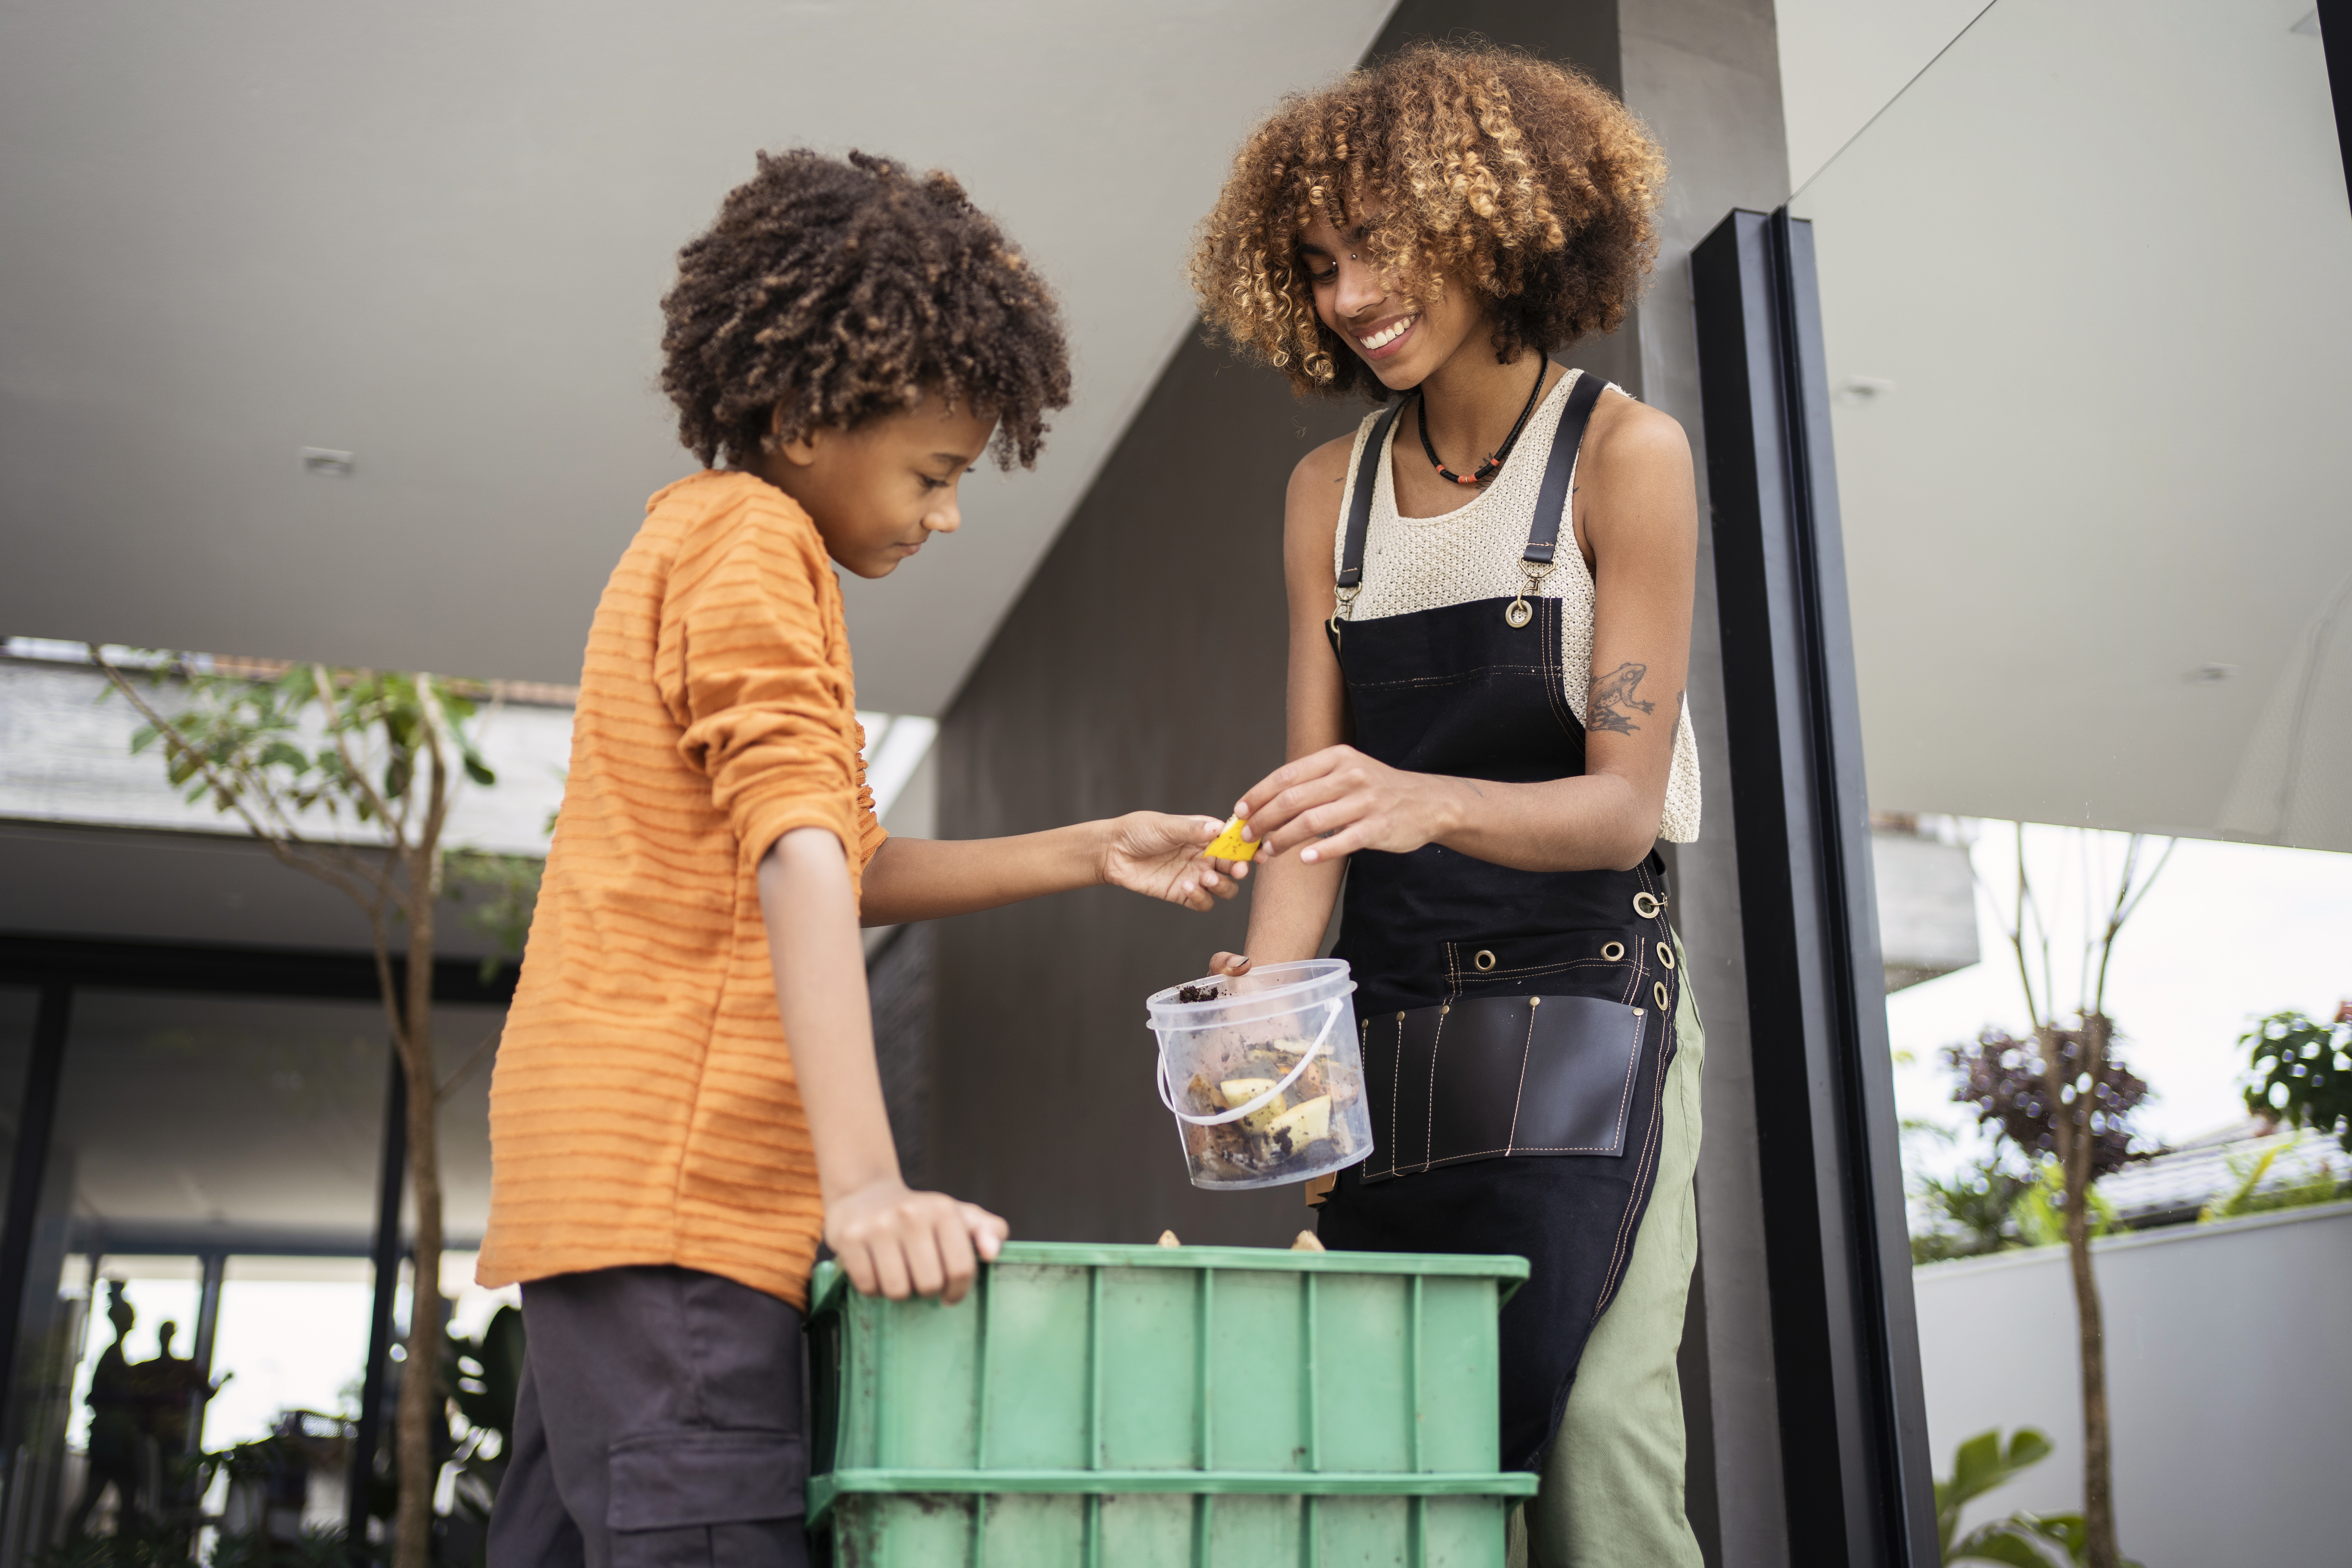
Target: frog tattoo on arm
point(1610, 704)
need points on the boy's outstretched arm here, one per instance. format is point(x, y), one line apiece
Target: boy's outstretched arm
point(892, 1241)
point(1146, 852)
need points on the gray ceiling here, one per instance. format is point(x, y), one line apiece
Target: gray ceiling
point(435, 236)
point(2097, 339)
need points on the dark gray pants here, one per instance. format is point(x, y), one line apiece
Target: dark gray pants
point(658, 1427)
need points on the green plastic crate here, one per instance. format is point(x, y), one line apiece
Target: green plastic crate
point(1194, 1406)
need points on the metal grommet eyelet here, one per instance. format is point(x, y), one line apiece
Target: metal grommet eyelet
point(1665, 955)
point(1613, 950)
point(1483, 959)
point(1646, 906)
point(1658, 989)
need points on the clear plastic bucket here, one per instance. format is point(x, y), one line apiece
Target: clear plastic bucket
point(1265, 1081)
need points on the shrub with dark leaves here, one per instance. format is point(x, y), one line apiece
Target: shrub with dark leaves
point(2302, 1071)
point(2006, 1081)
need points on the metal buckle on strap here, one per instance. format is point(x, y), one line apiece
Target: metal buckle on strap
point(1518, 612)
point(1347, 602)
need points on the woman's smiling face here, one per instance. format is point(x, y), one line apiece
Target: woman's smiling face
point(1403, 337)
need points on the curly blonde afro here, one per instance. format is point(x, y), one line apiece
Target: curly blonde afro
point(834, 291)
point(1526, 182)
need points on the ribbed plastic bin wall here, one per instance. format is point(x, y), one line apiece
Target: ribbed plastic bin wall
point(1192, 1407)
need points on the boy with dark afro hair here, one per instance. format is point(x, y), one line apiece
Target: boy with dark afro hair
point(828, 293)
point(685, 1100)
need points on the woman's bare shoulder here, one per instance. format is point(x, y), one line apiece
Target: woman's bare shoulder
point(1316, 484)
point(1324, 468)
point(1630, 438)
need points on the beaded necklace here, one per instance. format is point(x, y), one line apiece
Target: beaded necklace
point(1494, 463)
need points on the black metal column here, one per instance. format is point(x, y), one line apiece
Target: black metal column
point(389, 1177)
point(2335, 38)
point(30, 1163)
point(1852, 1414)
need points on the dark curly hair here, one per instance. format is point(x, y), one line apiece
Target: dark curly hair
point(1525, 181)
point(832, 292)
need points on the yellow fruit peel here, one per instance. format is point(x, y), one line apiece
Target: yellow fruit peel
point(1230, 845)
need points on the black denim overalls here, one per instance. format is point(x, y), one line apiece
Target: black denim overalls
point(1461, 690)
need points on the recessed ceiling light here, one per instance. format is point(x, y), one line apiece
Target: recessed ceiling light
point(326, 460)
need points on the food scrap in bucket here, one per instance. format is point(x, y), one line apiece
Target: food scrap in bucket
point(1198, 994)
point(1291, 1131)
point(1230, 845)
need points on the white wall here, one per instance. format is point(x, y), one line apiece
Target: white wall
point(2228, 1383)
point(65, 757)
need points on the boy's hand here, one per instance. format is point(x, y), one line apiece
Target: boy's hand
point(895, 1242)
point(1159, 856)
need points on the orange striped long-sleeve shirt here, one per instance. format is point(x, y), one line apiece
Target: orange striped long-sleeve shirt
point(644, 1108)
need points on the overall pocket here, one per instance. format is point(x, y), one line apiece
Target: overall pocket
point(1494, 1077)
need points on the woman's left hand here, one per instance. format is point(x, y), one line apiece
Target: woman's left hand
point(1332, 803)
point(1159, 856)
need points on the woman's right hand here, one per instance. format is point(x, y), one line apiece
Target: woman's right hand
point(1229, 964)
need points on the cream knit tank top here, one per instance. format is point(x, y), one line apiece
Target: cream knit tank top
point(1473, 552)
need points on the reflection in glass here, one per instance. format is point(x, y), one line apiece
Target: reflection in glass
point(465, 1045)
point(18, 1006)
point(2083, 298)
point(2085, 303)
point(213, 1170)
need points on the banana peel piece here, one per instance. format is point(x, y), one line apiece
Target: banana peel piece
point(1230, 845)
point(1240, 1091)
point(1306, 1122)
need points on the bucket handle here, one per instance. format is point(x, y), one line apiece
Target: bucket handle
point(1168, 1095)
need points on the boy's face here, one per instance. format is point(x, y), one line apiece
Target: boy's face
point(1401, 336)
point(877, 492)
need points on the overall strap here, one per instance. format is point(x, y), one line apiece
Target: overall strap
point(1551, 501)
point(1359, 501)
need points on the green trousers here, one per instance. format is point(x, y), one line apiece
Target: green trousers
point(1612, 1486)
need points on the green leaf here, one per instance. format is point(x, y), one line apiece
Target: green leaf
point(2000, 1543)
point(2066, 1529)
point(1977, 1468)
point(499, 1355)
point(2027, 1446)
point(1981, 1465)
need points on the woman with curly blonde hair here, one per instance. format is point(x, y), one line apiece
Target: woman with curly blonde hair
point(1490, 591)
